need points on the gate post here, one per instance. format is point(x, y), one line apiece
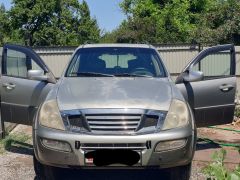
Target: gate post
point(2, 129)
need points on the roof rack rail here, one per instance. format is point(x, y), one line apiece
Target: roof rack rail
point(89, 42)
point(144, 42)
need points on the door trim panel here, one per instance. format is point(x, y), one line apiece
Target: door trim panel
point(207, 116)
point(219, 106)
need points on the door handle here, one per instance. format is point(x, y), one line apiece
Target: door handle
point(9, 86)
point(226, 87)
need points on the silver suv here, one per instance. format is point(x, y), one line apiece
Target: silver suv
point(116, 106)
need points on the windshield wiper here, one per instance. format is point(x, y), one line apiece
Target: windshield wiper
point(131, 75)
point(90, 74)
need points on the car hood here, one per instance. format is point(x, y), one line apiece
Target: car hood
point(111, 92)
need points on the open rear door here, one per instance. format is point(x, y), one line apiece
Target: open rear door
point(20, 96)
point(211, 97)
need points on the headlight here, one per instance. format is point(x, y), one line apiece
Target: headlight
point(49, 115)
point(177, 116)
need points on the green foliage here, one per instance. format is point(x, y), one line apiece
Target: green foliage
point(220, 22)
point(157, 21)
point(3, 17)
point(12, 139)
point(172, 21)
point(68, 22)
point(51, 22)
point(217, 170)
point(237, 112)
point(88, 29)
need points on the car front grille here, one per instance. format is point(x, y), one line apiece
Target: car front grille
point(113, 123)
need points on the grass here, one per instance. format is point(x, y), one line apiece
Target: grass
point(15, 139)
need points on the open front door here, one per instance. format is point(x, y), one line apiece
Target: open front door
point(208, 83)
point(20, 93)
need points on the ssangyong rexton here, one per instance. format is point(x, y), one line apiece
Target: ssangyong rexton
point(116, 105)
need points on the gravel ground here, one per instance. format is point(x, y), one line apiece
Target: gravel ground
point(16, 166)
point(196, 170)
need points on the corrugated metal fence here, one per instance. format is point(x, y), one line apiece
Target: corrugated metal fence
point(56, 58)
point(175, 57)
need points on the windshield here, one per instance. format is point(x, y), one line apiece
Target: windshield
point(115, 61)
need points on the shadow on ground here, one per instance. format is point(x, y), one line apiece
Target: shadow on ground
point(19, 147)
point(202, 145)
point(102, 174)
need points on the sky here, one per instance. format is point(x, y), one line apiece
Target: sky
point(107, 12)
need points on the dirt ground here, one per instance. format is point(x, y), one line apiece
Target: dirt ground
point(16, 162)
point(222, 136)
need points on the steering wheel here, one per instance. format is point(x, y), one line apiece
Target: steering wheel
point(141, 71)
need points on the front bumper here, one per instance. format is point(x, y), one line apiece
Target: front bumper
point(149, 158)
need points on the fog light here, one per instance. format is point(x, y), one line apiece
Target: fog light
point(56, 145)
point(169, 145)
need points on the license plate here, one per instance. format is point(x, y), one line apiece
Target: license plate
point(89, 160)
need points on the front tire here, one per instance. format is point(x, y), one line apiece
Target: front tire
point(43, 172)
point(180, 172)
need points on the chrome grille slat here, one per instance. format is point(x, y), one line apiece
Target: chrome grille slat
point(90, 122)
point(113, 127)
point(118, 123)
point(121, 117)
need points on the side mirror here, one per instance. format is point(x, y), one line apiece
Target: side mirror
point(192, 76)
point(37, 75)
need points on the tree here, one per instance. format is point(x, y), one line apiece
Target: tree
point(172, 21)
point(51, 22)
point(155, 21)
point(2, 24)
point(220, 24)
point(141, 22)
point(88, 29)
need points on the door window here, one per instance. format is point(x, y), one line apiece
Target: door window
point(17, 64)
point(215, 65)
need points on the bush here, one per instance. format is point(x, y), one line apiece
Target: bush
point(237, 112)
point(217, 170)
